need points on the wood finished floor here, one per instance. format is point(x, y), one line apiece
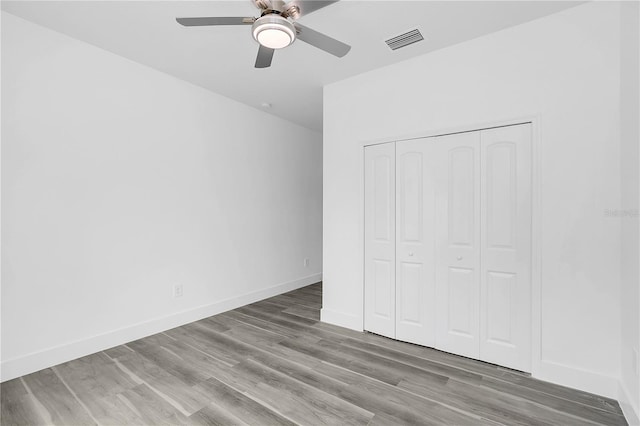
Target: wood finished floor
point(273, 363)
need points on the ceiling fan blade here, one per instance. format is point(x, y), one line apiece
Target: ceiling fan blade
point(306, 7)
point(322, 41)
point(265, 55)
point(215, 20)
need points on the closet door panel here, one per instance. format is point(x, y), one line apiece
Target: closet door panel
point(506, 246)
point(415, 249)
point(380, 240)
point(457, 190)
point(460, 302)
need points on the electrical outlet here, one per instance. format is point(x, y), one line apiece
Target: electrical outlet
point(177, 290)
point(306, 263)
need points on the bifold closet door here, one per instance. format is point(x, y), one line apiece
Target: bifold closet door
point(457, 229)
point(380, 239)
point(448, 243)
point(415, 243)
point(505, 332)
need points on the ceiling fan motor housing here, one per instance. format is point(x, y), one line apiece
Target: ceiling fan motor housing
point(273, 31)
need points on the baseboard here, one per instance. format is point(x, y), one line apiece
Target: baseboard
point(629, 408)
point(584, 380)
point(341, 319)
point(36, 361)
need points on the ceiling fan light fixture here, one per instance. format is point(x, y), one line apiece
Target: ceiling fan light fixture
point(273, 31)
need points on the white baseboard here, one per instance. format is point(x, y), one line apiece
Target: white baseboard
point(629, 408)
point(584, 380)
point(16, 367)
point(341, 319)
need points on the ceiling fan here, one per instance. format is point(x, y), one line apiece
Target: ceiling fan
point(275, 29)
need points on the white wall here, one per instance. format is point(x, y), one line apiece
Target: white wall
point(630, 188)
point(0, 196)
point(119, 181)
point(564, 70)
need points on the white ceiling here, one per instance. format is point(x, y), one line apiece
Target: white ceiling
point(221, 59)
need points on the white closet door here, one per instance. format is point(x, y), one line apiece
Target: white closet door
point(415, 243)
point(380, 239)
point(506, 247)
point(457, 171)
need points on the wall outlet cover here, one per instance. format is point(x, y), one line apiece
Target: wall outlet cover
point(177, 290)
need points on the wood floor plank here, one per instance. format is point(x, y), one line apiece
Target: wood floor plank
point(261, 324)
point(260, 318)
point(275, 349)
point(244, 408)
point(430, 354)
point(113, 410)
point(213, 322)
point(380, 364)
point(186, 399)
point(523, 383)
point(293, 299)
point(485, 369)
point(508, 410)
point(12, 390)
point(265, 378)
point(381, 419)
point(410, 360)
point(371, 396)
point(497, 407)
point(20, 412)
point(299, 402)
point(94, 376)
point(289, 399)
point(304, 312)
point(584, 398)
point(304, 294)
point(95, 380)
point(195, 335)
point(174, 359)
point(580, 410)
point(239, 330)
point(273, 363)
point(294, 325)
point(214, 415)
point(117, 351)
point(151, 408)
point(348, 363)
point(381, 397)
point(17, 405)
point(56, 401)
point(272, 302)
point(276, 316)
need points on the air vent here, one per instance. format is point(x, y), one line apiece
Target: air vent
point(405, 39)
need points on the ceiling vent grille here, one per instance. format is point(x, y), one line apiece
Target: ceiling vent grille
point(405, 39)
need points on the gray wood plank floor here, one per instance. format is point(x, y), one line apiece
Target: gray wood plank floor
point(273, 363)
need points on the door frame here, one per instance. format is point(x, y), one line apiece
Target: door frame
point(536, 211)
